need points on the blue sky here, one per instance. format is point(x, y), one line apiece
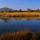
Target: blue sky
point(23, 4)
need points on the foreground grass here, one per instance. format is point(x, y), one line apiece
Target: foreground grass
point(22, 35)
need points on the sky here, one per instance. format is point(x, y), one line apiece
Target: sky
point(23, 4)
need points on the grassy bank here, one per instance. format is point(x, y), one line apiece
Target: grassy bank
point(20, 15)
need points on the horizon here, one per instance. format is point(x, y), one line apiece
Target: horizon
point(20, 4)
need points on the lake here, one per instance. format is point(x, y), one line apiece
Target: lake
point(14, 25)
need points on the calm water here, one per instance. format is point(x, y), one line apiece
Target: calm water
point(18, 25)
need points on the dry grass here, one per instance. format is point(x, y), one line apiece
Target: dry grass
point(22, 35)
point(20, 14)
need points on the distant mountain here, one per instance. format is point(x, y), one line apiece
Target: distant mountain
point(6, 9)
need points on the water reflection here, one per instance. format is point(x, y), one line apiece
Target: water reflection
point(27, 18)
point(13, 25)
point(20, 18)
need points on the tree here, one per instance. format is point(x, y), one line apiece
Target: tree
point(5, 9)
point(20, 10)
point(28, 9)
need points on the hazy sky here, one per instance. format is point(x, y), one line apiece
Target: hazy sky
point(23, 4)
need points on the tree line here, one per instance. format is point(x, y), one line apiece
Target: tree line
point(6, 9)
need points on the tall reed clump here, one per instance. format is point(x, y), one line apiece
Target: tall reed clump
point(22, 35)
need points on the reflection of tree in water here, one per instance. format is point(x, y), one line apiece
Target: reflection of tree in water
point(5, 19)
